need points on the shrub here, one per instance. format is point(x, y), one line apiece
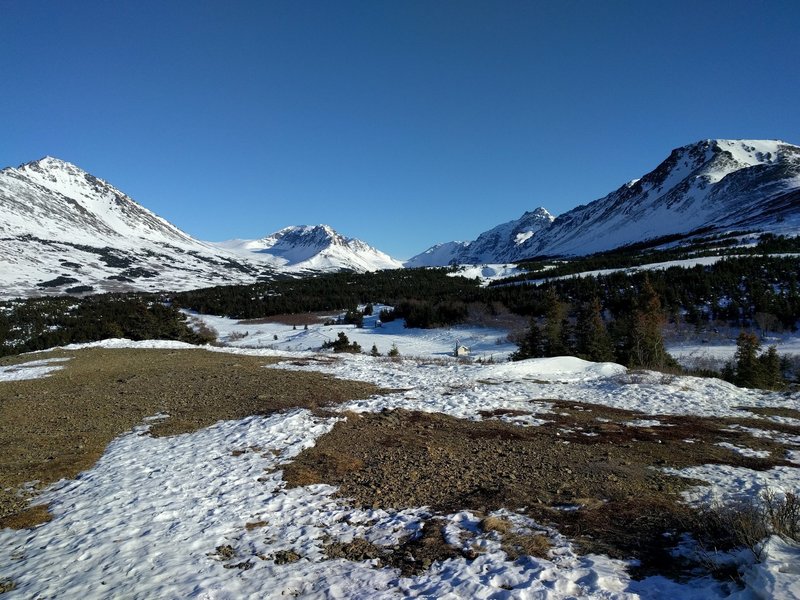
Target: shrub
point(342, 344)
point(746, 523)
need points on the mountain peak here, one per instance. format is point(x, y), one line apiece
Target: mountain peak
point(316, 247)
point(49, 164)
point(712, 184)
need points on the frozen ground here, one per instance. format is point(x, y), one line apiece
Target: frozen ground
point(718, 350)
point(206, 515)
point(484, 342)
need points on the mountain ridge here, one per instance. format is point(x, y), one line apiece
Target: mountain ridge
point(712, 185)
point(64, 230)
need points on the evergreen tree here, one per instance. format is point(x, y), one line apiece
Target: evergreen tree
point(532, 345)
point(771, 372)
point(592, 339)
point(555, 316)
point(748, 370)
point(354, 317)
point(374, 351)
point(342, 344)
point(646, 342)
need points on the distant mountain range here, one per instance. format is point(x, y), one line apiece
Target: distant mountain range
point(711, 186)
point(64, 230)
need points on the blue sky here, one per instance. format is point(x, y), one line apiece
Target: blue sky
point(400, 123)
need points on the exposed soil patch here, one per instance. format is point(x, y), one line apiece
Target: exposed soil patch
point(587, 471)
point(773, 411)
point(311, 318)
point(56, 427)
point(412, 556)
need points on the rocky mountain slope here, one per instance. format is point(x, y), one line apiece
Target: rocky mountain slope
point(499, 244)
point(64, 230)
point(712, 186)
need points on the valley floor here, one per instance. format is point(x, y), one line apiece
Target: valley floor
point(348, 500)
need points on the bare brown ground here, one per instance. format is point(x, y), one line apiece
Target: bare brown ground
point(56, 427)
point(586, 471)
point(310, 318)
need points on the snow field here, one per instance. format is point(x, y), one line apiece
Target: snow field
point(149, 518)
point(484, 342)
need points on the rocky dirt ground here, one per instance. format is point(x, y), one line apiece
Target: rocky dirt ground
point(586, 471)
point(594, 473)
point(56, 427)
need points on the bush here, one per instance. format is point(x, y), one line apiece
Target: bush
point(354, 317)
point(747, 523)
point(342, 344)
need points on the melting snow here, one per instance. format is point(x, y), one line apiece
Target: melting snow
point(183, 516)
point(34, 369)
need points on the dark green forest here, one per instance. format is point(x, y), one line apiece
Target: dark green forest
point(622, 310)
point(41, 323)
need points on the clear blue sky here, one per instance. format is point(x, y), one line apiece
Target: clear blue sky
point(400, 123)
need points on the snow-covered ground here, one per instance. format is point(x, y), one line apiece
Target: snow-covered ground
point(716, 352)
point(485, 343)
point(183, 516)
point(33, 369)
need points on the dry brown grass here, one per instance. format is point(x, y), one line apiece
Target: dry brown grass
point(291, 319)
point(498, 524)
point(517, 545)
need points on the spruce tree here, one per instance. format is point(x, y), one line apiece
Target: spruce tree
point(748, 370)
point(592, 339)
point(532, 345)
point(646, 342)
point(554, 334)
point(771, 373)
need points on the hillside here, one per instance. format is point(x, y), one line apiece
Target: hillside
point(711, 187)
point(64, 230)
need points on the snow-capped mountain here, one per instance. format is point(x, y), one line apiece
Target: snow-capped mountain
point(63, 229)
point(712, 186)
point(316, 247)
point(709, 186)
point(498, 245)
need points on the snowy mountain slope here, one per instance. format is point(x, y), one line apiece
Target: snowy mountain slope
point(63, 229)
point(316, 247)
point(499, 244)
point(711, 186)
point(77, 198)
point(439, 255)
